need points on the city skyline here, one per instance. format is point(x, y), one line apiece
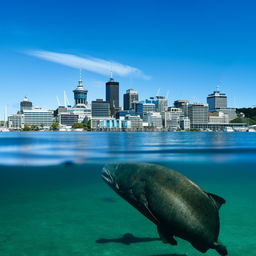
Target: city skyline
point(185, 48)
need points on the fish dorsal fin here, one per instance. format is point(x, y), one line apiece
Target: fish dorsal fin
point(217, 200)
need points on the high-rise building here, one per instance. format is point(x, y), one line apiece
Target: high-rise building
point(172, 118)
point(112, 95)
point(100, 108)
point(198, 113)
point(80, 94)
point(38, 116)
point(25, 104)
point(216, 100)
point(161, 103)
point(131, 97)
point(143, 107)
point(183, 105)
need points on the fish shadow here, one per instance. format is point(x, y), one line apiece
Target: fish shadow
point(128, 239)
point(169, 254)
point(108, 199)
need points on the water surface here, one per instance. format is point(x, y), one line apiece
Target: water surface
point(50, 207)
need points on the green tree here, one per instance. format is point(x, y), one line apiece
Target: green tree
point(55, 126)
point(246, 120)
point(26, 128)
point(85, 126)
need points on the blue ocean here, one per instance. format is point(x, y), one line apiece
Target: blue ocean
point(53, 201)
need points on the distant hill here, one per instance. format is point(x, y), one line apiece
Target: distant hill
point(246, 120)
point(249, 112)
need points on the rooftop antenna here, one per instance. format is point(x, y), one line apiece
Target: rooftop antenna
point(66, 98)
point(111, 71)
point(234, 101)
point(5, 116)
point(58, 100)
point(167, 94)
point(80, 74)
point(158, 92)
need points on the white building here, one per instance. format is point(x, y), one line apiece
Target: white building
point(16, 121)
point(172, 118)
point(38, 117)
point(154, 119)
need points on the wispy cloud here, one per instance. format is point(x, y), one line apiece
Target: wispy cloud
point(92, 64)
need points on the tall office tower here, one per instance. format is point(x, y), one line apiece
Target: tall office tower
point(131, 97)
point(112, 95)
point(100, 108)
point(80, 94)
point(216, 100)
point(183, 105)
point(25, 104)
point(161, 103)
point(198, 113)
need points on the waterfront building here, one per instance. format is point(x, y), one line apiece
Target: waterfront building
point(183, 105)
point(131, 97)
point(16, 121)
point(122, 113)
point(161, 103)
point(216, 100)
point(198, 113)
point(143, 107)
point(218, 118)
point(185, 123)
point(100, 108)
point(112, 95)
point(25, 104)
point(220, 127)
point(80, 95)
point(136, 123)
point(81, 106)
point(230, 112)
point(67, 118)
point(110, 123)
point(38, 117)
point(171, 118)
point(154, 119)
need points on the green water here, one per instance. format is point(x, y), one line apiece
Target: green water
point(67, 210)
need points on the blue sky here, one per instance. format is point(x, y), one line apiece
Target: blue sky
point(184, 47)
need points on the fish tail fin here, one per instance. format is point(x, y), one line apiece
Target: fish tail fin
point(221, 249)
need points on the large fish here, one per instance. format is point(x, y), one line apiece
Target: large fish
point(173, 202)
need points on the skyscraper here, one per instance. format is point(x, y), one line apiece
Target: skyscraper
point(198, 113)
point(25, 104)
point(100, 108)
point(131, 97)
point(216, 100)
point(112, 94)
point(183, 105)
point(161, 103)
point(80, 94)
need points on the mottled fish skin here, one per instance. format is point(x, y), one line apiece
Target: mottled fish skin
point(177, 205)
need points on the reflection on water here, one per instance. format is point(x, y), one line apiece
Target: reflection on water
point(44, 148)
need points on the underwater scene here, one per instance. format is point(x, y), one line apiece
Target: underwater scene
point(54, 202)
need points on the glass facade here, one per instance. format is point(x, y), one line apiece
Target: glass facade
point(38, 117)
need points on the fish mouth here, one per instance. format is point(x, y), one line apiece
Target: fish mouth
point(107, 177)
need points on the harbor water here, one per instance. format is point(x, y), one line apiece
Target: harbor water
point(53, 201)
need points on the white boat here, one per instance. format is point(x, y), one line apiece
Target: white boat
point(228, 129)
point(4, 129)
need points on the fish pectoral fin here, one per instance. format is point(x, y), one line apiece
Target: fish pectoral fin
point(166, 237)
point(138, 193)
point(217, 199)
